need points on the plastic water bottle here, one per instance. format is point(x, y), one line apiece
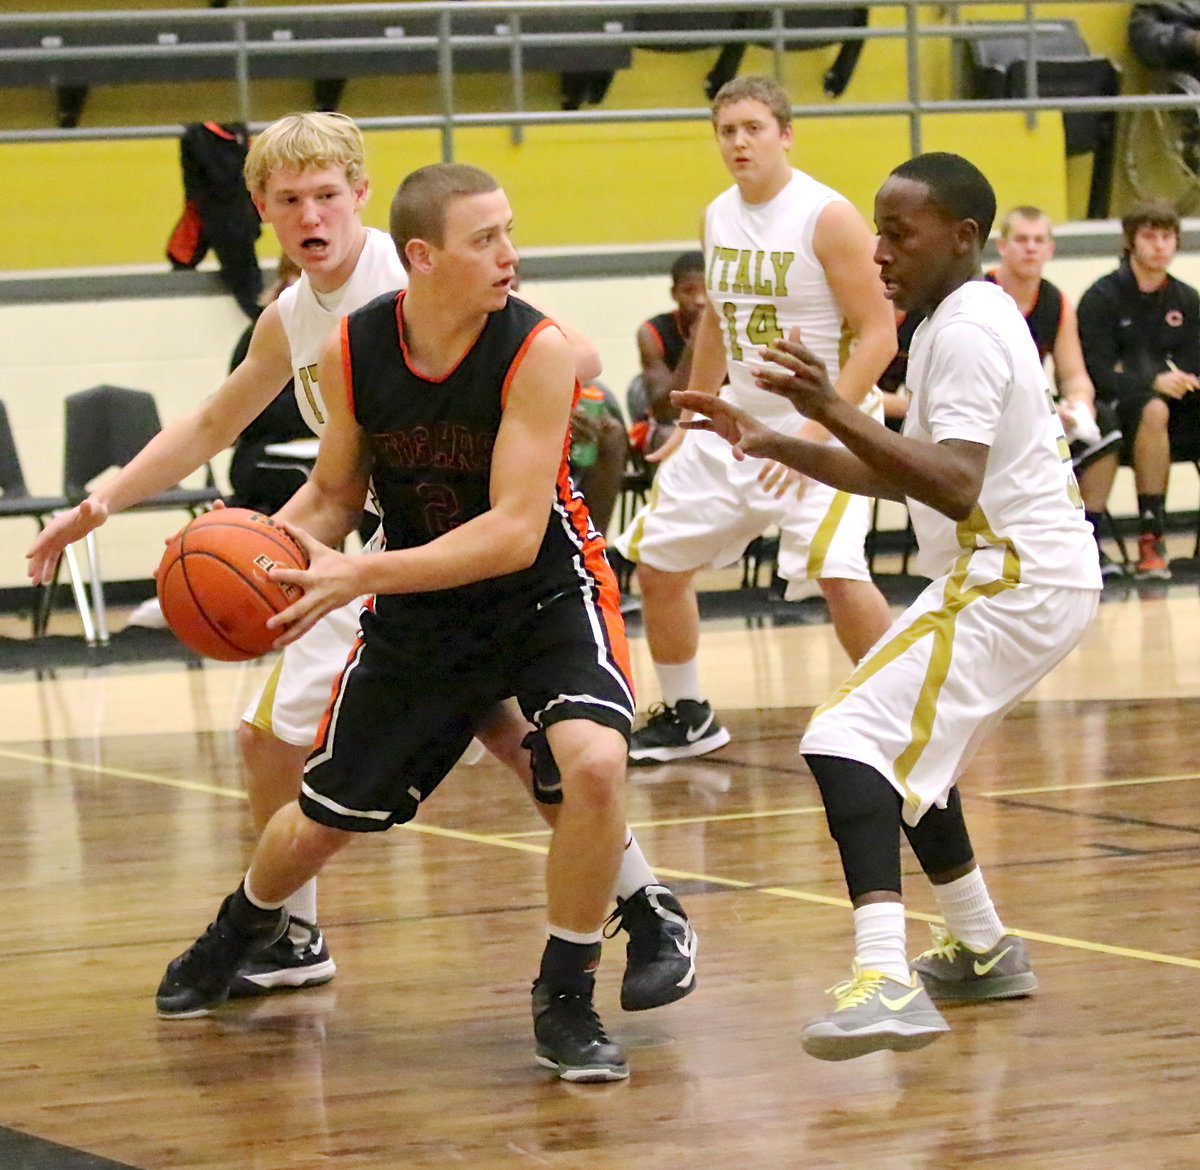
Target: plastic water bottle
point(585, 450)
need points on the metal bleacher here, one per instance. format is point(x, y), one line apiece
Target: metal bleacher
point(70, 52)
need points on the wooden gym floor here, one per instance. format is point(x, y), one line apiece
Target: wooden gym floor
point(124, 824)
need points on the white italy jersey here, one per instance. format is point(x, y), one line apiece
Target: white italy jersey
point(974, 374)
point(308, 324)
point(763, 278)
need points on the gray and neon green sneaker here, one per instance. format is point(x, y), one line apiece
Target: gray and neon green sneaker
point(950, 970)
point(874, 1012)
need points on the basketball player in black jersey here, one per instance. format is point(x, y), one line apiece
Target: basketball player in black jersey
point(453, 398)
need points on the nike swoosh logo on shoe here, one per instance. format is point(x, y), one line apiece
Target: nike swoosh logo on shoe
point(984, 968)
point(684, 948)
point(896, 1005)
point(694, 733)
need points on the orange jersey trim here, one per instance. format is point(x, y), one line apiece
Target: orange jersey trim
point(347, 365)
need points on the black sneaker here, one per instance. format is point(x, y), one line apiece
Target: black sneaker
point(199, 979)
point(677, 733)
point(1110, 568)
point(660, 957)
point(571, 1039)
point(298, 959)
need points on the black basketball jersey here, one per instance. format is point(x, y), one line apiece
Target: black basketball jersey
point(1045, 318)
point(666, 328)
point(432, 442)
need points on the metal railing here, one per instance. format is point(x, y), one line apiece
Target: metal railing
point(243, 36)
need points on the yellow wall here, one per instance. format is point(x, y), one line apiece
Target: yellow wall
point(114, 202)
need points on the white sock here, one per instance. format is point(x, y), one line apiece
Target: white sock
point(634, 872)
point(967, 908)
point(574, 936)
point(679, 681)
point(254, 900)
point(303, 903)
point(880, 939)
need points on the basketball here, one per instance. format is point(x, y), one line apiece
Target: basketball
point(213, 586)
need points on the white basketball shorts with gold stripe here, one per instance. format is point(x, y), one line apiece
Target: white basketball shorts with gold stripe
point(705, 507)
point(942, 676)
point(298, 691)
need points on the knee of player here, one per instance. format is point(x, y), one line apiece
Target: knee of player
point(596, 779)
point(311, 843)
point(660, 582)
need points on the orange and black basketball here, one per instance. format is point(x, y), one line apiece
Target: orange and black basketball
point(213, 585)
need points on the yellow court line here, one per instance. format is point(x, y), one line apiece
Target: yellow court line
point(506, 842)
point(122, 774)
point(808, 810)
point(1130, 782)
point(715, 818)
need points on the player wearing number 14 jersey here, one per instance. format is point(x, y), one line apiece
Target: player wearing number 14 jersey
point(782, 252)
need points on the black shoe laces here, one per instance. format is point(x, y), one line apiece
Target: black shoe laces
point(577, 1017)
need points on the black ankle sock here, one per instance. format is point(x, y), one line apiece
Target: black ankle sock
point(1152, 513)
point(245, 917)
point(1095, 519)
point(568, 966)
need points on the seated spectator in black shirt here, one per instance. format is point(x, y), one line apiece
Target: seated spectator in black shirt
point(1140, 328)
point(665, 350)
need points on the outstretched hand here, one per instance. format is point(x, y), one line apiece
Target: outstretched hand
point(742, 431)
point(66, 528)
point(802, 380)
point(329, 582)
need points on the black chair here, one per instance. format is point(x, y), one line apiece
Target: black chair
point(995, 67)
point(106, 427)
point(16, 501)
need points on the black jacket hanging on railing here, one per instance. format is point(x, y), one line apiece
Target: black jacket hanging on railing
point(591, 87)
point(217, 211)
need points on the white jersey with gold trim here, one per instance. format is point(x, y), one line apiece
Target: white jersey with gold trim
point(763, 278)
point(974, 374)
point(308, 323)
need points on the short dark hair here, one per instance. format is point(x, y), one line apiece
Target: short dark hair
point(1156, 213)
point(687, 264)
point(419, 206)
point(958, 187)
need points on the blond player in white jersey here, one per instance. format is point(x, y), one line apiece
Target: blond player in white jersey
point(307, 176)
point(985, 469)
point(781, 250)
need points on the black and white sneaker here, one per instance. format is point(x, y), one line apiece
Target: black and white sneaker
point(299, 959)
point(677, 733)
point(660, 957)
point(199, 979)
point(571, 1039)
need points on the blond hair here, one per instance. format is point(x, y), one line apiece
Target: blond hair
point(755, 88)
point(305, 142)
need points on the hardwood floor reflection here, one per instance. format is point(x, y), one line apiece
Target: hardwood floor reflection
point(115, 848)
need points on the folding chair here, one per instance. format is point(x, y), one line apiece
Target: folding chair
point(106, 427)
point(16, 501)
